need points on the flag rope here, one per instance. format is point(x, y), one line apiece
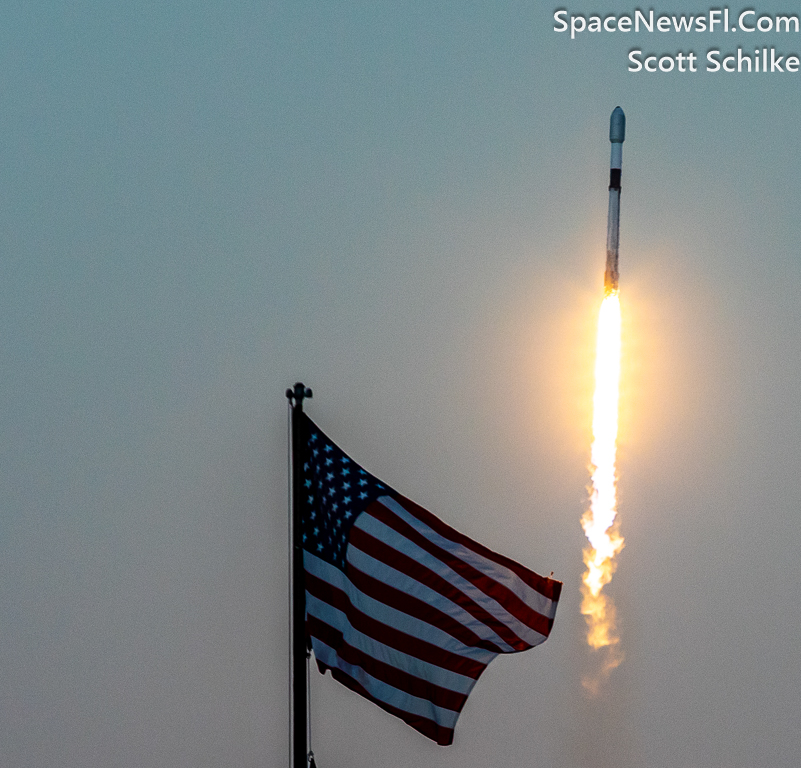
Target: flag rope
point(310, 756)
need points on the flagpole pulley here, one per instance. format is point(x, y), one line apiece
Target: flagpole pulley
point(297, 394)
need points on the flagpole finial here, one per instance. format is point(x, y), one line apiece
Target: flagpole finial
point(298, 393)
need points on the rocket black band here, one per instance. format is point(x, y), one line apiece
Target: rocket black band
point(614, 178)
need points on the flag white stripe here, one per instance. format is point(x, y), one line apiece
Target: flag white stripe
point(444, 678)
point(392, 617)
point(388, 694)
point(388, 575)
point(500, 573)
point(392, 538)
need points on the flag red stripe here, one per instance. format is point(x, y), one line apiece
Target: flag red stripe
point(386, 673)
point(493, 589)
point(545, 586)
point(407, 565)
point(418, 609)
point(391, 636)
point(441, 735)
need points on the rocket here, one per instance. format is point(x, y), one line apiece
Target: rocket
point(617, 134)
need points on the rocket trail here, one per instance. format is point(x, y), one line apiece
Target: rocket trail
point(617, 134)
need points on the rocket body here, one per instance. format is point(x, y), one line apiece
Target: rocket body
point(617, 134)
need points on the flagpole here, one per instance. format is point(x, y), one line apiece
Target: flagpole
point(298, 651)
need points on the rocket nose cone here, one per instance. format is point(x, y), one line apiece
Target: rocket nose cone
point(617, 126)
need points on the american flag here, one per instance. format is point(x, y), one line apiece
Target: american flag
point(401, 608)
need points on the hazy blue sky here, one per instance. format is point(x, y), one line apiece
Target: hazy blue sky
point(402, 204)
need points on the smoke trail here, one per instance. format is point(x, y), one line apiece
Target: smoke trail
point(598, 521)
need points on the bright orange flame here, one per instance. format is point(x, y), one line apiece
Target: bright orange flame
point(599, 521)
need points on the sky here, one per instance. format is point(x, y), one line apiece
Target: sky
point(403, 205)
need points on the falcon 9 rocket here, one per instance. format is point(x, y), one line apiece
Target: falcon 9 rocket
point(617, 134)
